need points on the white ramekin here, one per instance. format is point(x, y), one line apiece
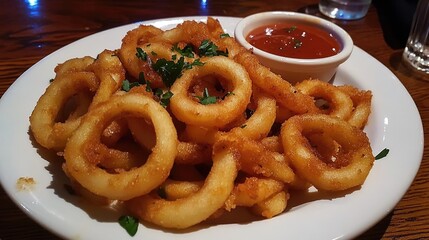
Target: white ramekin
point(295, 69)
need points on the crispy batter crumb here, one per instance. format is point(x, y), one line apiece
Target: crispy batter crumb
point(25, 183)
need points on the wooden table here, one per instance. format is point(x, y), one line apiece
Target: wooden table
point(32, 29)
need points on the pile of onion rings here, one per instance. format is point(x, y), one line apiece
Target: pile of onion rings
point(184, 125)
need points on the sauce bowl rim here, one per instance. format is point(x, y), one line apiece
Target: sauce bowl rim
point(256, 20)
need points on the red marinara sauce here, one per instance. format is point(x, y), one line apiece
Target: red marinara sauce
point(294, 40)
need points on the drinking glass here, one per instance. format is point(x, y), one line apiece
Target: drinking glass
point(416, 52)
point(344, 9)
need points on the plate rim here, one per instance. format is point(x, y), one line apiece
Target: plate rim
point(10, 90)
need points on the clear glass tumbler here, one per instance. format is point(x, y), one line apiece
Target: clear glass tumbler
point(344, 9)
point(416, 52)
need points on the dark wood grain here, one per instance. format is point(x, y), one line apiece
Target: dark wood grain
point(29, 33)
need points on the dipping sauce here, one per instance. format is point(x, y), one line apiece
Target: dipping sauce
point(294, 40)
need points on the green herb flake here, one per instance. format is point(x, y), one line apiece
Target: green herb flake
point(158, 92)
point(141, 54)
point(130, 224)
point(142, 78)
point(224, 35)
point(208, 48)
point(297, 43)
point(127, 85)
point(196, 62)
point(291, 29)
point(382, 154)
point(227, 95)
point(187, 51)
point(148, 87)
point(165, 98)
point(143, 81)
point(169, 70)
point(206, 99)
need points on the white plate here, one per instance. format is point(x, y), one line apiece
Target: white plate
point(395, 124)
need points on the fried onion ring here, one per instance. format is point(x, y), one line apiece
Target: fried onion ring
point(272, 206)
point(46, 130)
point(256, 127)
point(362, 105)
point(255, 159)
point(252, 191)
point(285, 94)
point(102, 77)
point(259, 124)
point(188, 211)
point(74, 65)
point(338, 103)
point(190, 32)
point(188, 152)
point(82, 157)
point(108, 68)
point(352, 164)
point(127, 53)
point(187, 110)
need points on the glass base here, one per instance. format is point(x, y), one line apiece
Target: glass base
point(417, 57)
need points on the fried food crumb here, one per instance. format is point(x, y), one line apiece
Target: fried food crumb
point(25, 183)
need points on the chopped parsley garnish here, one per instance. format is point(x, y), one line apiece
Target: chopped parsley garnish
point(228, 94)
point(187, 51)
point(224, 35)
point(158, 92)
point(169, 70)
point(164, 97)
point(142, 81)
point(206, 99)
point(208, 48)
point(130, 224)
point(141, 54)
point(297, 43)
point(291, 29)
point(127, 85)
point(382, 154)
point(196, 62)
